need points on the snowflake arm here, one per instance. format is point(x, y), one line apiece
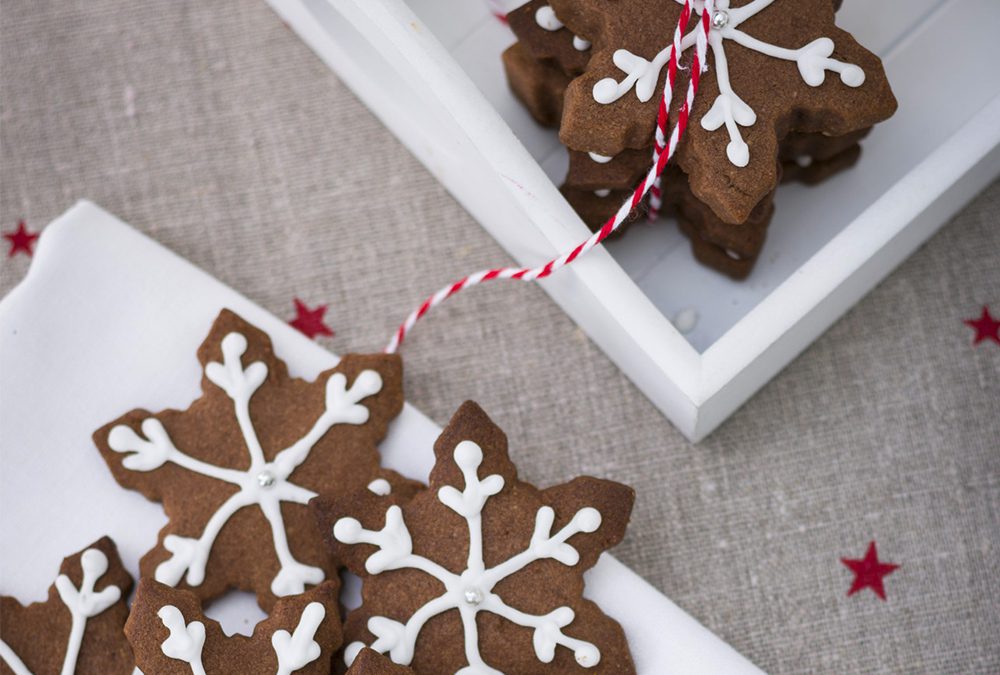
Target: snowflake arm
point(342, 407)
point(185, 641)
point(292, 575)
point(548, 632)
point(545, 545)
point(240, 385)
point(299, 649)
point(83, 602)
point(728, 109)
point(639, 73)
point(190, 555)
point(394, 543)
point(13, 661)
point(812, 59)
point(156, 449)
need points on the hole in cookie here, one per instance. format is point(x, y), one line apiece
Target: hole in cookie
point(350, 594)
point(236, 611)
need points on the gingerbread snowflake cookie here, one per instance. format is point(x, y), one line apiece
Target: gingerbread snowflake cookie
point(235, 470)
point(79, 628)
point(775, 66)
point(170, 635)
point(481, 573)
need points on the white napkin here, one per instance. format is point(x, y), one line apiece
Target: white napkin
point(108, 320)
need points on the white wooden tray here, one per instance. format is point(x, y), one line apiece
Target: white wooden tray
point(430, 69)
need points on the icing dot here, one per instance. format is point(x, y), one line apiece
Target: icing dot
point(600, 159)
point(347, 530)
point(473, 596)
point(234, 341)
point(265, 479)
point(589, 519)
point(380, 486)
point(587, 656)
point(602, 193)
point(580, 44)
point(468, 455)
point(804, 161)
point(606, 90)
point(546, 18)
point(738, 153)
point(732, 254)
point(852, 76)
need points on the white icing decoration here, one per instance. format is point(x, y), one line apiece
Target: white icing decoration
point(729, 109)
point(82, 603)
point(351, 652)
point(600, 159)
point(733, 254)
point(380, 486)
point(185, 640)
point(805, 161)
point(264, 483)
point(547, 19)
point(295, 650)
point(602, 193)
point(299, 649)
point(12, 660)
point(471, 591)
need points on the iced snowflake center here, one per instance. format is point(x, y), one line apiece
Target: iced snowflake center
point(473, 596)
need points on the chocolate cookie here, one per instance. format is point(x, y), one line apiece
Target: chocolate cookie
point(481, 572)
point(370, 662)
point(546, 39)
point(170, 635)
point(235, 470)
point(79, 628)
point(776, 67)
point(538, 86)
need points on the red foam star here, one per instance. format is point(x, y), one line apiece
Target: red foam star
point(869, 572)
point(20, 240)
point(310, 321)
point(986, 327)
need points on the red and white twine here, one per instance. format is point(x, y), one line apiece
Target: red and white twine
point(661, 156)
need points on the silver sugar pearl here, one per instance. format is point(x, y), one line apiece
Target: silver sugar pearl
point(473, 596)
point(265, 479)
point(720, 19)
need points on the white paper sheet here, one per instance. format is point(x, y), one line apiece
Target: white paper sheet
point(108, 320)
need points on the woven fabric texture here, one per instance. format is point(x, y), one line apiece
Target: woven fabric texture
point(210, 126)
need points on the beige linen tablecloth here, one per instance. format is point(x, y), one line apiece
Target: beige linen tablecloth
point(213, 128)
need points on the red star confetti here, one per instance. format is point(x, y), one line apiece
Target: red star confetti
point(310, 321)
point(21, 240)
point(869, 572)
point(986, 327)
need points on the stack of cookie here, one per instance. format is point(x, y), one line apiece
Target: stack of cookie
point(787, 95)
